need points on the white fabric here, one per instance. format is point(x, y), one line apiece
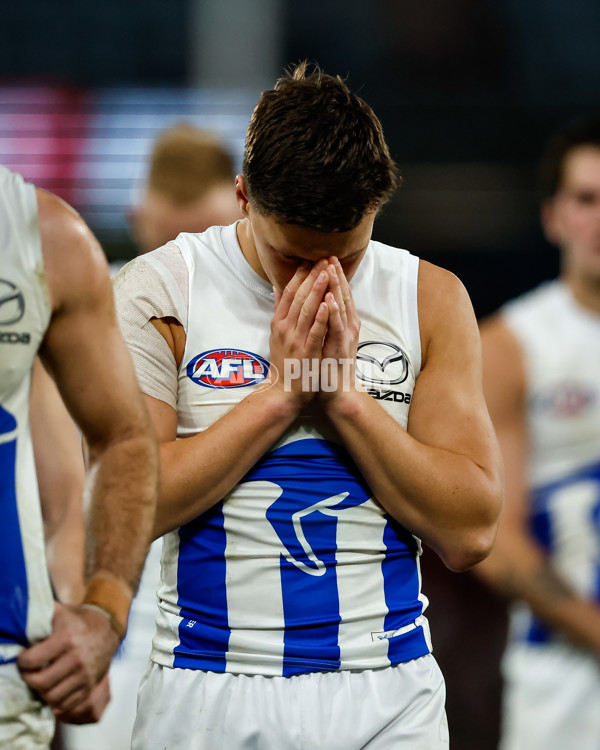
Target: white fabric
point(560, 341)
point(25, 722)
point(396, 708)
point(551, 700)
point(141, 295)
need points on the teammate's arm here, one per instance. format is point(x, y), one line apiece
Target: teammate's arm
point(517, 566)
point(441, 478)
point(61, 478)
point(84, 352)
point(199, 471)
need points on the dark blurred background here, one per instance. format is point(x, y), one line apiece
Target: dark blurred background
point(467, 90)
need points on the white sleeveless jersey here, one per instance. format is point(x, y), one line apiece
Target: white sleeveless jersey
point(298, 569)
point(561, 346)
point(26, 605)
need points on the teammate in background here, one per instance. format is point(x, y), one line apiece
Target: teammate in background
point(189, 188)
point(541, 357)
point(56, 300)
point(290, 605)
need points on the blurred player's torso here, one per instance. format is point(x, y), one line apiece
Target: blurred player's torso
point(561, 345)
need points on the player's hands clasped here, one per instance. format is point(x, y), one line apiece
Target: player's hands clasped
point(341, 339)
point(315, 319)
point(68, 667)
point(299, 326)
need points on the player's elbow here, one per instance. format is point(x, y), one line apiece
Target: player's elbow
point(474, 548)
point(475, 541)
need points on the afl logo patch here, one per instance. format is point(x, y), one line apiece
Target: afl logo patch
point(227, 368)
point(566, 400)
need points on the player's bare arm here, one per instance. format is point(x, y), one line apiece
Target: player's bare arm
point(84, 352)
point(441, 479)
point(61, 479)
point(517, 566)
point(199, 471)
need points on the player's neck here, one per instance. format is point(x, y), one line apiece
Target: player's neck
point(246, 240)
point(585, 291)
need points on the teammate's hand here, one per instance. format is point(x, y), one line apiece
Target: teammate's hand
point(91, 709)
point(298, 328)
point(341, 340)
point(65, 667)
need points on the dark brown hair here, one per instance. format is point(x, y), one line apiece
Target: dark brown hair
point(574, 134)
point(187, 162)
point(315, 154)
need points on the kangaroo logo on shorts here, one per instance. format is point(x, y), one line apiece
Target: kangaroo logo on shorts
point(227, 368)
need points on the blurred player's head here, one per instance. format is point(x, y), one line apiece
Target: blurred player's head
point(315, 154)
point(570, 172)
point(190, 187)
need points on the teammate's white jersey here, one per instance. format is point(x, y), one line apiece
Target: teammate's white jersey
point(26, 604)
point(561, 347)
point(298, 569)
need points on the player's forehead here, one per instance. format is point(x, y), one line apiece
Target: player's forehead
point(292, 241)
point(581, 168)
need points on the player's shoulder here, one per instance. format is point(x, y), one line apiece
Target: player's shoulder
point(74, 261)
point(161, 266)
point(547, 296)
point(522, 320)
point(442, 295)
point(61, 227)
point(446, 316)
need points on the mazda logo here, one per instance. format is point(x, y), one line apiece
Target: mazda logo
point(381, 362)
point(12, 303)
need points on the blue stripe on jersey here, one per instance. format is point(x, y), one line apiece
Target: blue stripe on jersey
point(13, 581)
point(311, 605)
point(202, 593)
point(541, 524)
point(402, 587)
point(310, 473)
point(596, 519)
point(318, 481)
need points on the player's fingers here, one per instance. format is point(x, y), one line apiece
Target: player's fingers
point(316, 334)
point(71, 702)
point(43, 653)
point(91, 708)
point(336, 289)
point(68, 693)
point(335, 339)
point(304, 291)
point(351, 316)
point(44, 680)
point(344, 284)
point(289, 293)
point(311, 304)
